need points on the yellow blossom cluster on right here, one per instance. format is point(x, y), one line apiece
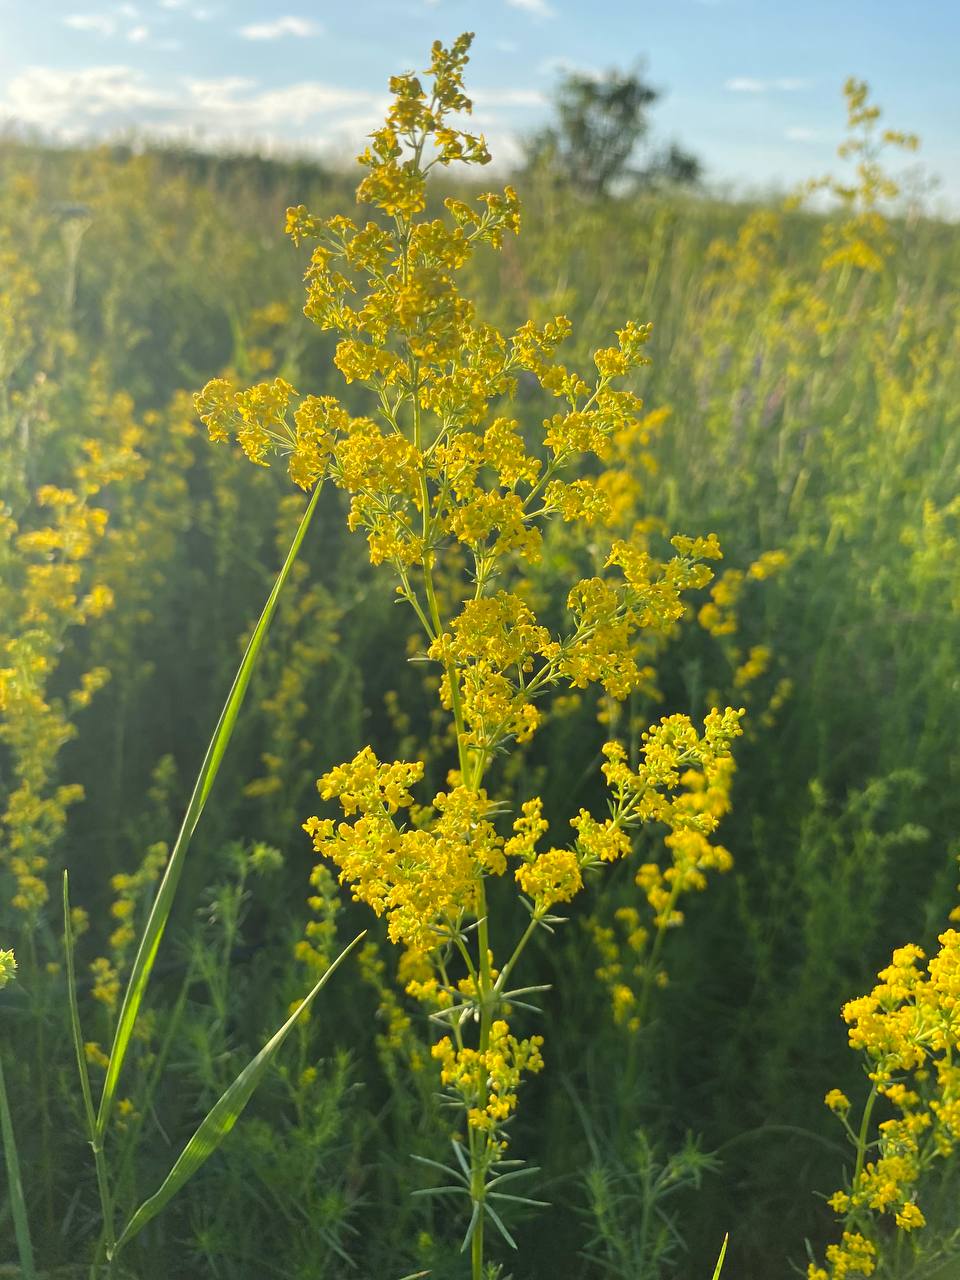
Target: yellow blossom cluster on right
point(908, 1029)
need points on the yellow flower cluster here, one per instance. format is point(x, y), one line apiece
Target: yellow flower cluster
point(862, 240)
point(453, 494)
point(487, 1080)
point(429, 473)
point(621, 962)
point(49, 583)
point(258, 419)
point(396, 1039)
point(719, 615)
point(501, 658)
point(684, 783)
point(132, 890)
point(908, 1028)
point(318, 947)
point(853, 1256)
point(421, 878)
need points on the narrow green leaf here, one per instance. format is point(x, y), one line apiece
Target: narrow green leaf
point(82, 1069)
point(471, 1226)
point(18, 1207)
point(526, 1172)
point(103, 1187)
point(504, 1195)
point(440, 1191)
point(498, 1223)
point(459, 1153)
point(163, 902)
point(223, 1115)
point(723, 1254)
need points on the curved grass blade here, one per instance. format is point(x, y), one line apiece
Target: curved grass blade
point(96, 1143)
point(723, 1254)
point(223, 1115)
point(163, 902)
point(75, 1030)
point(18, 1207)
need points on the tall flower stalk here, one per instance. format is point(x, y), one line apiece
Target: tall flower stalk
point(453, 495)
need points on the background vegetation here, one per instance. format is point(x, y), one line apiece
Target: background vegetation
point(803, 403)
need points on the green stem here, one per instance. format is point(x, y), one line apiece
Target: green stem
point(94, 1135)
point(862, 1137)
point(476, 1249)
point(478, 1143)
point(500, 983)
point(18, 1208)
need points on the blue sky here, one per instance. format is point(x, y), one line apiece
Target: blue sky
point(750, 86)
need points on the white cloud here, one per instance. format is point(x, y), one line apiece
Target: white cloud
point(296, 104)
point(309, 116)
point(232, 110)
point(560, 65)
point(508, 97)
point(300, 27)
point(784, 84)
point(116, 24)
point(537, 8)
point(799, 133)
point(67, 102)
point(198, 12)
point(100, 24)
point(743, 84)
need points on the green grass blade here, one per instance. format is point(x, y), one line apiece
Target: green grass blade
point(96, 1143)
point(82, 1070)
point(163, 902)
point(18, 1207)
point(723, 1254)
point(222, 1116)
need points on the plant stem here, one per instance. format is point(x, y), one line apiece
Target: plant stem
point(478, 1144)
point(94, 1135)
point(862, 1137)
point(18, 1208)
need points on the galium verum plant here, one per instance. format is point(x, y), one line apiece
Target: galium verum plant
point(441, 478)
point(907, 1030)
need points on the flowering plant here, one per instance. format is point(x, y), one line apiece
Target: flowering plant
point(444, 482)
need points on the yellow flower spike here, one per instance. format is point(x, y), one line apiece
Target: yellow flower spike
point(452, 494)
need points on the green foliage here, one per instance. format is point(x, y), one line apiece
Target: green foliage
point(800, 407)
point(601, 122)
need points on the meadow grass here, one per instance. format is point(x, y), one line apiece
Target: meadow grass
point(803, 409)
